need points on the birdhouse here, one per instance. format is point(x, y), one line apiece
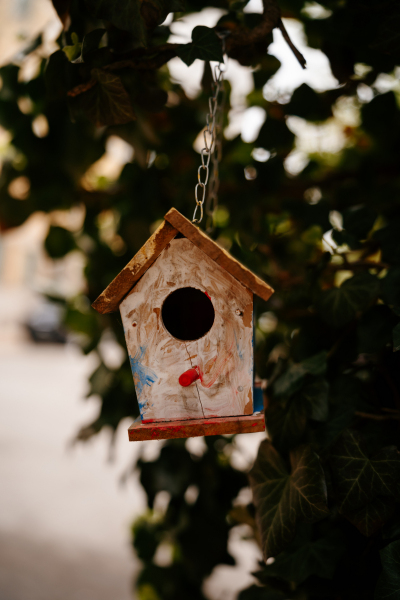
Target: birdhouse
point(187, 310)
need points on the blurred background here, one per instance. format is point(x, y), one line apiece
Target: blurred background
point(65, 513)
point(77, 202)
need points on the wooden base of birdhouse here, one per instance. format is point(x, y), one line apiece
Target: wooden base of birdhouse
point(166, 430)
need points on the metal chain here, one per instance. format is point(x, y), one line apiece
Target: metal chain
point(212, 149)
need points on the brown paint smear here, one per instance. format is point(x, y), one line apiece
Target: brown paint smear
point(248, 316)
point(157, 311)
point(248, 409)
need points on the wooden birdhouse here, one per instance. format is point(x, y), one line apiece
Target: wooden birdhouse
point(187, 311)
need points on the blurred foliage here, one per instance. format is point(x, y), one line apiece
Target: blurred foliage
point(324, 232)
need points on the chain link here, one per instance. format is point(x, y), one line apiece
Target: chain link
point(212, 150)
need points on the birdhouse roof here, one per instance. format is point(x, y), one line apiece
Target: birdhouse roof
point(175, 223)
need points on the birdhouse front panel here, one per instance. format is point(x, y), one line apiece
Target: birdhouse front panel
point(189, 331)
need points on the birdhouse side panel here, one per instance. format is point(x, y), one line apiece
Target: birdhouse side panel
point(156, 358)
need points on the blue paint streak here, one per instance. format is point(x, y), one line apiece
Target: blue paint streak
point(142, 375)
point(258, 400)
point(239, 350)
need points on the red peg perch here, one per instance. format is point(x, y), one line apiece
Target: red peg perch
point(189, 377)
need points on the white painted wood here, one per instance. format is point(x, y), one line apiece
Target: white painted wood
point(224, 355)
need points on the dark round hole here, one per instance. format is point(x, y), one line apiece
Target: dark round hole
point(188, 314)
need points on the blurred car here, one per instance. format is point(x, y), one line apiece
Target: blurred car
point(44, 325)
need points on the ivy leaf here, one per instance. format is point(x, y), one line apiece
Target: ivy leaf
point(388, 236)
point(307, 556)
point(292, 380)
point(366, 487)
point(358, 220)
point(388, 587)
point(391, 286)
point(205, 45)
point(107, 102)
point(374, 329)
point(74, 50)
point(91, 41)
point(136, 16)
point(282, 499)
point(100, 381)
point(396, 338)
point(275, 135)
point(371, 517)
point(308, 104)
point(59, 242)
point(316, 396)
point(338, 306)
point(58, 75)
point(286, 422)
point(344, 396)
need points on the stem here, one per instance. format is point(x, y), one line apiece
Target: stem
point(376, 417)
point(293, 48)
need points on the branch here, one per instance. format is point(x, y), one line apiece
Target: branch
point(376, 417)
point(293, 48)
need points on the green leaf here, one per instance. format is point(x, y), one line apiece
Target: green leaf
point(59, 242)
point(374, 329)
point(91, 41)
point(267, 67)
point(359, 220)
point(306, 557)
point(136, 16)
point(74, 50)
point(205, 45)
point(371, 517)
point(100, 380)
point(388, 587)
point(388, 237)
point(275, 135)
point(391, 287)
point(344, 395)
point(107, 102)
point(316, 396)
point(309, 105)
point(380, 117)
point(58, 75)
point(365, 486)
point(283, 499)
point(286, 419)
point(396, 338)
point(338, 306)
point(286, 422)
point(292, 380)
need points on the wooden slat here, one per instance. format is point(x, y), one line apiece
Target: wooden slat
point(109, 300)
point(183, 429)
point(218, 254)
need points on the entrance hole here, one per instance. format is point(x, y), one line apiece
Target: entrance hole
point(188, 314)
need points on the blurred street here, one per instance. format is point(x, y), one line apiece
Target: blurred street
point(64, 520)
